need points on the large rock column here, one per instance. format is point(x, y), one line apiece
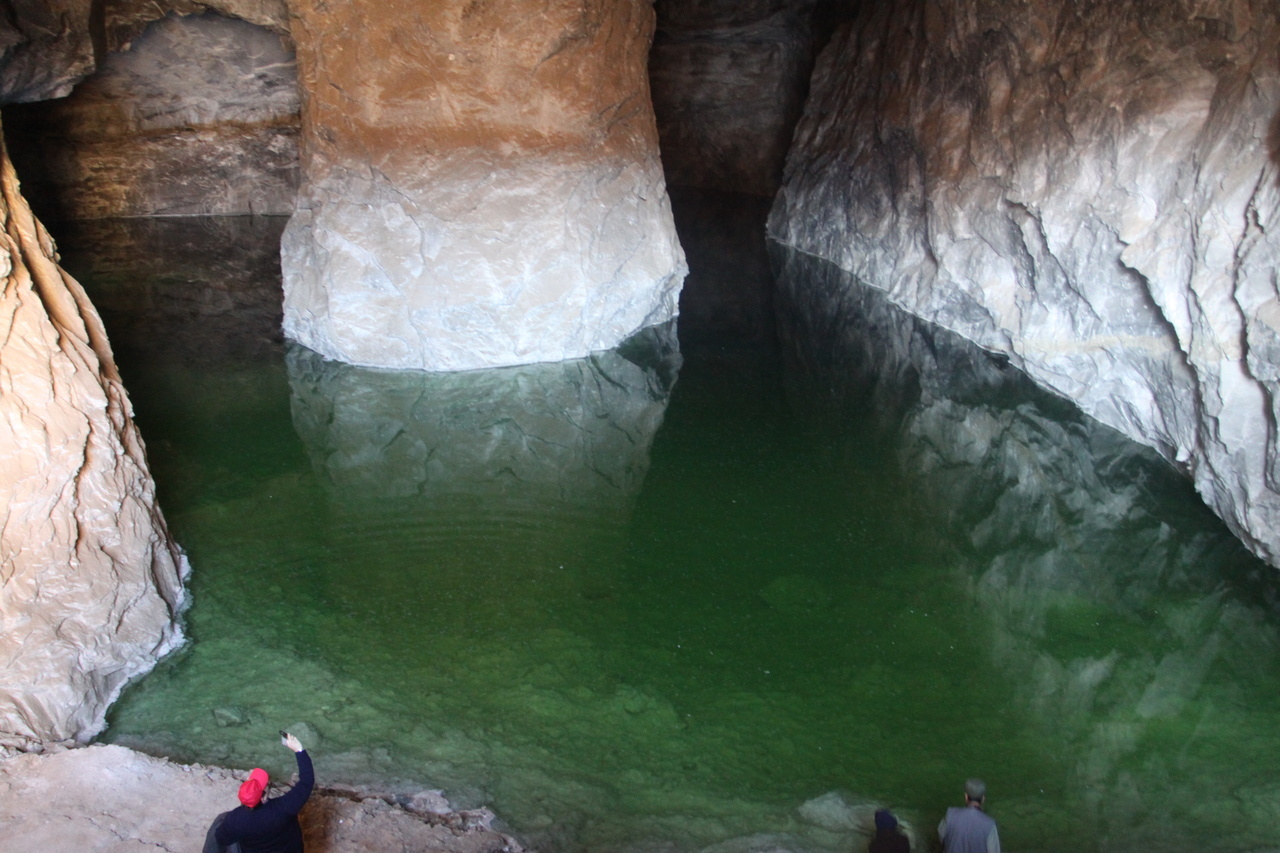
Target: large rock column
point(480, 183)
point(1088, 187)
point(90, 582)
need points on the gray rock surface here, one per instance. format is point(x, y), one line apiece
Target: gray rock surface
point(90, 582)
point(199, 115)
point(1089, 189)
point(108, 798)
point(488, 194)
point(45, 49)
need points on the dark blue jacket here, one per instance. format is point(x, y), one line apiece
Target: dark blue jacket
point(272, 825)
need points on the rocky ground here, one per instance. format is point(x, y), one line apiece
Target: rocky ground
point(108, 798)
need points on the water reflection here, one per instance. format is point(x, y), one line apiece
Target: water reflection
point(199, 289)
point(574, 433)
point(1136, 633)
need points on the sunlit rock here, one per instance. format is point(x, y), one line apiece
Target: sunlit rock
point(480, 184)
point(1090, 191)
point(193, 115)
point(90, 582)
point(571, 433)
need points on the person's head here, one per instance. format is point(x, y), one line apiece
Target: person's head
point(885, 821)
point(975, 792)
point(251, 790)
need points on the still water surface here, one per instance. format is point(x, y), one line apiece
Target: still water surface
point(664, 596)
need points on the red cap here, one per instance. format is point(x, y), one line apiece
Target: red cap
point(251, 790)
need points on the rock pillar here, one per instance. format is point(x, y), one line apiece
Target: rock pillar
point(1090, 188)
point(90, 582)
point(480, 183)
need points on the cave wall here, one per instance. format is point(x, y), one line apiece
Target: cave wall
point(729, 81)
point(488, 192)
point(1088, 188)
point(184, 115)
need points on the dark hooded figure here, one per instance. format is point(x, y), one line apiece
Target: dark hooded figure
point(267, 826)
point(888, 839)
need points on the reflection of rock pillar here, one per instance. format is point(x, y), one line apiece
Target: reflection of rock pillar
point(570, 434)
point(481, 183)
point(90, 583)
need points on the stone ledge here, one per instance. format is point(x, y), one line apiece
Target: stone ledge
point(102, 798)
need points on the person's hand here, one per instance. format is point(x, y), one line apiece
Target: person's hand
point(292, 742)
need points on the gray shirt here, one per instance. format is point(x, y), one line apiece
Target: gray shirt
point(968, 830)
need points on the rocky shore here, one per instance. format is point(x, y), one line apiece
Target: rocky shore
point(109, 798)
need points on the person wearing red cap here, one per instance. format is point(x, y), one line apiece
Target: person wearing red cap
point(269, 826)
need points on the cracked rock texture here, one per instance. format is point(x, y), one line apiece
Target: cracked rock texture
point(108, 798)
point(480, 183)
point(1089, 188)
point(192, 115)
point(90, 582)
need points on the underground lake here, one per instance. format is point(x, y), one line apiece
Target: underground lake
point(715, 593)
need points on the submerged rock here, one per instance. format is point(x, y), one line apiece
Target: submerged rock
point(1089, 189)
point(90, 582)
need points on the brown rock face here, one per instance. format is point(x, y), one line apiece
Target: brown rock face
point(481, 183)
point(194, 115)
point(90, 583)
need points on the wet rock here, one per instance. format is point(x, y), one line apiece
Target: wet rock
point(92, 581)
point(306, 733)
point(226, 717)
point(832, 812)
point(487, 193)
point(1089, 190)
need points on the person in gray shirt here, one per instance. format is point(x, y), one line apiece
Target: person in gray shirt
point(969, 829)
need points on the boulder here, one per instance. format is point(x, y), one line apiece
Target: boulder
point(480, 184)
point(90, 581)
point(1089, 189)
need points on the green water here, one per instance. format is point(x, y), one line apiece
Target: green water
point(721, 590)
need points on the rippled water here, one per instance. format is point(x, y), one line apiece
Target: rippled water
point(679, 598)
